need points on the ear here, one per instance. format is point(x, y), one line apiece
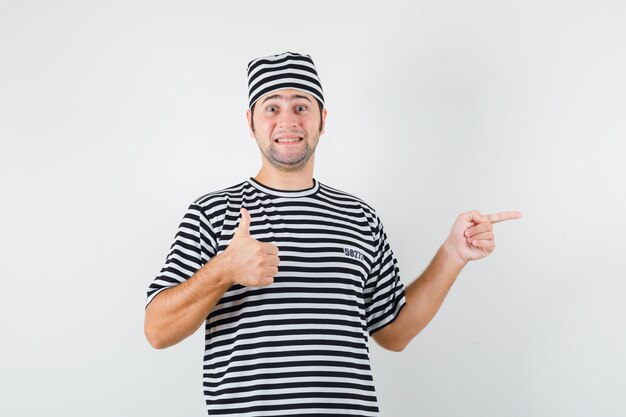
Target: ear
point(324, 111)
point(249, 119)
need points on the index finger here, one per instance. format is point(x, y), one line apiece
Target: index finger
point(503, 216)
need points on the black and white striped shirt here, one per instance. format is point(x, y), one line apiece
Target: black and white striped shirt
point(298, 347)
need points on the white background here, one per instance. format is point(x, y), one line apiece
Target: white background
point(115, 115)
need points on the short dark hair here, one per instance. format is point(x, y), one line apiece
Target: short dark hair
point(319, 104)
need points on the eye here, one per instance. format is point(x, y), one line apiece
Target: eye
point(301, 107)
point(271, 109)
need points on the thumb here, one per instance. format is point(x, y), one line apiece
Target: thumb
point(244, 224)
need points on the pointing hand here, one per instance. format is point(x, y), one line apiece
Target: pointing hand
point(252, 263)
point(471, 236)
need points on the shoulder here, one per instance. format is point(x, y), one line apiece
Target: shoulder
point(350, 201)
point(224, 194)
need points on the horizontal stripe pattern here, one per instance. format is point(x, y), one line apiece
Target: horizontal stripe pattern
point(300, 345)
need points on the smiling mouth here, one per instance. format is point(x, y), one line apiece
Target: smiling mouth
point(288, 140)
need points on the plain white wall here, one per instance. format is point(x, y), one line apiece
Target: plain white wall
point(115, 115)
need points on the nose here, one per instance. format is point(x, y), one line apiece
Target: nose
point(288, 118)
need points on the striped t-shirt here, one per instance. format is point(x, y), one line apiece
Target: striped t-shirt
point(298, 347)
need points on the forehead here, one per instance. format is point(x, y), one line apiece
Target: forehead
point(287, 94)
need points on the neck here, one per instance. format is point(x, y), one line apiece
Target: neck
point(286, 180)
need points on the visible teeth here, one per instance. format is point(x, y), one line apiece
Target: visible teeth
point(282, 140)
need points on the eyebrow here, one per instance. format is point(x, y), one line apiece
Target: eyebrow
point(291, 97)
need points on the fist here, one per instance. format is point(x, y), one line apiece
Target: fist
point(252, 263)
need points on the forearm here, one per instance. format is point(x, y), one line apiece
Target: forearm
point(426, 294)
point(176, 313)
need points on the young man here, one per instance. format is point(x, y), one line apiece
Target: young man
point(291, 276)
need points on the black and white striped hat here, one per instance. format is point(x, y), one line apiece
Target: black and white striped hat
point(286, 70)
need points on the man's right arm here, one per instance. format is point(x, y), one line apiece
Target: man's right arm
point(177, 312)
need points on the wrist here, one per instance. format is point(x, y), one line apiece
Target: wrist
point(217, 272)
point(452, 255)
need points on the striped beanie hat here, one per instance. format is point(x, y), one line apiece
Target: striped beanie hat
point(286, 70)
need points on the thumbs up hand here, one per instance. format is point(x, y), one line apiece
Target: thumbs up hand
point(252, 263)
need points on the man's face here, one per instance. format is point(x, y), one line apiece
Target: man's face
point(279, 118)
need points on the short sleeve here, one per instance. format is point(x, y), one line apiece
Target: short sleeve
point(194, 245)
point(384, 292)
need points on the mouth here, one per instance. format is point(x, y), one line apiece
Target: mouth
point(294, 139)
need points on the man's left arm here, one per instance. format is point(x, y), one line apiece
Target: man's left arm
point(470, 238)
